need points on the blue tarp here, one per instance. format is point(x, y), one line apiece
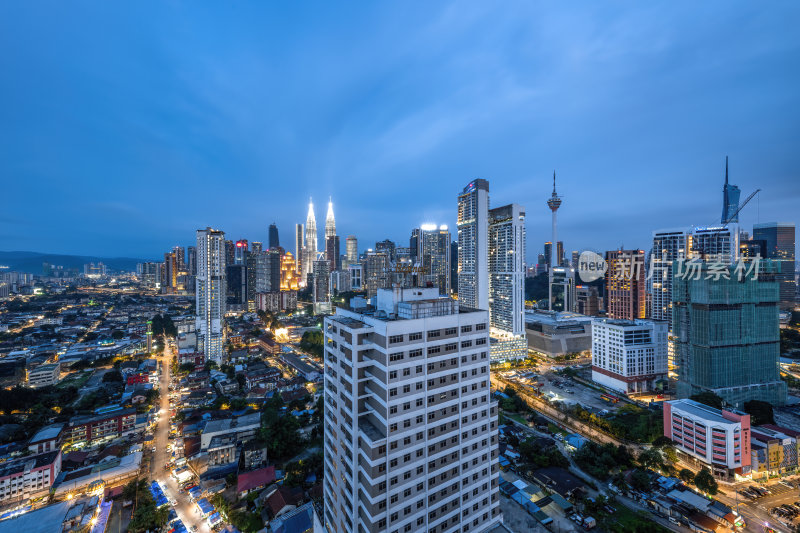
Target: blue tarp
point(205, 506)
point(520, 497)
point(178, 527)
point(214, 519)
point(158, 494)
point(575, 440)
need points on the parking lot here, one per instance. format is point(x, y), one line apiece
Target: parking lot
point(777, 504)
point(559, 388)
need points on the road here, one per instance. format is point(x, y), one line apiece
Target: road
point(186, 510)
point(756, 512)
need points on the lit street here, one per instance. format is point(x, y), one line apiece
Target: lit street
point(187, 511)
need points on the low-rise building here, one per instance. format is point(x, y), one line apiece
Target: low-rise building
point(269, 345)
point(226, 387)
point(28, 477)
point(558, 333)
point(138, 378)
point(91, 428)
point(47, 439)
point(44, 375)
point(261, 375)
point(629, 356)
point(774, 450)
point(191, 356)
point(719, 439)
point(245, 427)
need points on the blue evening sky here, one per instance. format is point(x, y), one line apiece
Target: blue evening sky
point(125, 126)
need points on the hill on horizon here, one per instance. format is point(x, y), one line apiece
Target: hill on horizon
point(31, 262)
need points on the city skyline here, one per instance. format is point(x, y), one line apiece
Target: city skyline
point(511, 110)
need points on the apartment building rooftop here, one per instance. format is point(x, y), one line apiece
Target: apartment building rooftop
point(704, 411)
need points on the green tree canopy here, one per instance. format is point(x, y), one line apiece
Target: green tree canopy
point(708, 398)
point(705, 481)
point(760, 412)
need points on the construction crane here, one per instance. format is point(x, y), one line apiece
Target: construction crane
point(741, 206)
point(733, 216)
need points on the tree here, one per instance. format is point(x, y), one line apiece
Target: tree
point(670, 453)
point(705, 481)
point(312, 341)
point(651, 458)
point(662, 441)
point(707, 398)
point(760, 412)
point(686, 475)
point(640, 480)
point(112, 376)
point(117, 334)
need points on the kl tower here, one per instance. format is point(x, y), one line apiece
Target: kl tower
point(554, 202)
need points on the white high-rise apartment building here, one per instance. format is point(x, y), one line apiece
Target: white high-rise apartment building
point(473, 245)
point(210, 293)
point(713, 243)
point(507, 281)
point(629, 355)
point(411, 439)
point(668, 245)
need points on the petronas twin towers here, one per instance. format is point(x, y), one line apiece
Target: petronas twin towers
point(310, 248)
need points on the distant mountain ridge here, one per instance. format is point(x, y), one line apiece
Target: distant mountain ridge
point(31, 262)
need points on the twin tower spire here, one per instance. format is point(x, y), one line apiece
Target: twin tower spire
point(311, 225)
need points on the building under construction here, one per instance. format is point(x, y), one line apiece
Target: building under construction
point(726, 333)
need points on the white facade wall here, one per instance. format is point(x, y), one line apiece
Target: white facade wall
point(629, 355)
point(210, 293)
point(473, 245)
point(411, 431)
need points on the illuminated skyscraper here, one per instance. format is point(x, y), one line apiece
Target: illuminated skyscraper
point(352, 249)
point(473, 245)
point(299, 247)
point(191, 260)
point(180, 258)
point(779, 240)
point(332, 252)
point(625, 284)
point(507, 282)
point(274, 240)
point(330, 222)
point(388, 247)
point(730, 199)
point(668, 246)
point(240, 252)
point(433, 256)
point(210, 293)
point(321, 293)
point(310, 242)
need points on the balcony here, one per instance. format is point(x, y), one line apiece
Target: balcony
point(372, 434)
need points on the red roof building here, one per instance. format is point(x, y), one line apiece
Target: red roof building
point(254, 480)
